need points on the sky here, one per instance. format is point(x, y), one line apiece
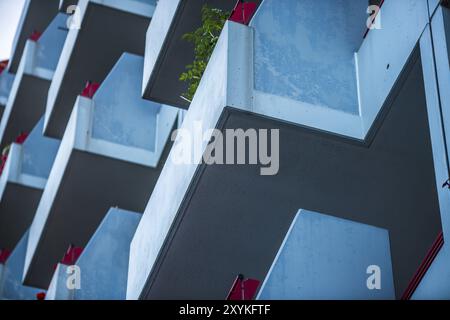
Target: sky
point(10, 11)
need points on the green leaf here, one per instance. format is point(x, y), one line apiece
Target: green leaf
point(204, 39)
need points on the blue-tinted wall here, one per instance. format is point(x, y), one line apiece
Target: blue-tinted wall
point(304, 50)
point(39, 152)
point(325, 257)
point(11, 287)
point(121, 115)
point(51, 43)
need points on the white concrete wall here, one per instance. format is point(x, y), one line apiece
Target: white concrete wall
point(103, 265)
point(224, 83)
point(385, 52)
point(324, 257)
point(104, 261)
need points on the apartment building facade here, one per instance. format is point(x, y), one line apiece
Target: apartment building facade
point(311, 163)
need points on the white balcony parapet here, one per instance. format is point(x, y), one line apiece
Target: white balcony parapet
point(305, 81)
point(100, 31)
point(324, 257)
point(379, 66)
point(166, 53)
point(36, 16)
point(309, 102)
point(111, 155)
point(339, 100)
point(103, 265)
point(22, 183)
point(11, 287)
point(222, 85)
point(26, 102)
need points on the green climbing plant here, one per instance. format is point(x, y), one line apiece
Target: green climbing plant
point(204, 40)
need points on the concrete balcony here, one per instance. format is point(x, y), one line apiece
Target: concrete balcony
point(36, 16)
point(309, 99)
point(167, 54)
point(28, 95)
point(103, 264)
point(355, 165)
point(21, 184)
point(100, 31)
point(323, 257)
point(11, 287)
point(111, 155)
